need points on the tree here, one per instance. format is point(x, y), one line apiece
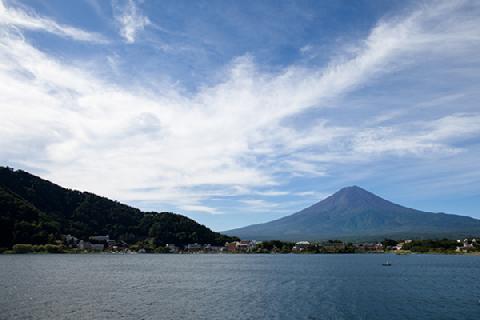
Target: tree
point(23, 248)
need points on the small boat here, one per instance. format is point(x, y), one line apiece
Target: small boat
point(386, 264)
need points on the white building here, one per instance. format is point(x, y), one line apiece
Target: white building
point(301, 246)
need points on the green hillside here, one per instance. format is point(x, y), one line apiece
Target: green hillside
point(37, 211)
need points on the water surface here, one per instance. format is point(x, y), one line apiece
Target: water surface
point(103, 286)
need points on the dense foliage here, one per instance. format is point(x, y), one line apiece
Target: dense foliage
point(330, 246)
point(36, 211)
point(431, 245)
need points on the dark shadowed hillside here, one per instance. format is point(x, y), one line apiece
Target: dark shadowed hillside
point(354, 213)
point(33, 210)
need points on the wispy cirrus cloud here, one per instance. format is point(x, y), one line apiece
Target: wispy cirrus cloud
point(235, 137)
point(129, 18)
point(22, 19)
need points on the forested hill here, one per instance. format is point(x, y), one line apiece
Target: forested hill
point(37, 211)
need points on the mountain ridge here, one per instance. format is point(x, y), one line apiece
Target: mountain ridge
point(37, 211)
point(353, 213)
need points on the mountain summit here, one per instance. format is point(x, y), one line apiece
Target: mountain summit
point(354, 213)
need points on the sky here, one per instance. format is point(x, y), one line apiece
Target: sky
point(240, 112)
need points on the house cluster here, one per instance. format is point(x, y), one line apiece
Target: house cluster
point(301, 246)
point(242, 246)
point(396, 247)
point(95, 243)
point(201, 248)
point(104, 243)
point(330, 246)
point(467, 245)
point(336, 246)
point(399, 246)
point(100, 243)
point(369, 247)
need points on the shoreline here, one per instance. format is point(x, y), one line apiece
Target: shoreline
point(245, 253)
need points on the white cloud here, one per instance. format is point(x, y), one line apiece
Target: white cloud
point(15, 17)
point(454, 126)
point(259, 205)
point(272, 193)
point(129, 143)
point(310, 194)
point(130, 19)
point(199, 208)
point(419, 138)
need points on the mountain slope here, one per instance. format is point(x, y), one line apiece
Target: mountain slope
point(33, 210)
point(353, 214)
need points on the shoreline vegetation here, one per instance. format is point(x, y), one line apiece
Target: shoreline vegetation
point(388, 246)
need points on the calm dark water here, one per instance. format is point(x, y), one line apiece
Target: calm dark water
point(239, 287)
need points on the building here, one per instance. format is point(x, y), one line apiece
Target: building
point(333, 246)
point(208, 248)
point(70, 238)
point(194, 247)
point(467, 245)
point(240, 246)
point(99, 238)
point(172, 248)
point(71, 241)
point(231, 246)
point(85, 245)
point(243, 246)
point(111, 243)
point(246, 245)
point(301, 246)
point(97, 246)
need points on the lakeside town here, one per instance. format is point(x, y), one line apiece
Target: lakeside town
point(104, 244)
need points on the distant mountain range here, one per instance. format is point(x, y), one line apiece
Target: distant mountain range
point(356, 214)
point(36, 211)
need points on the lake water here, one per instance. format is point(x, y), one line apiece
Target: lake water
point(103, 286)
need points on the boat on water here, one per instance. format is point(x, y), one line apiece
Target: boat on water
point(386, 264)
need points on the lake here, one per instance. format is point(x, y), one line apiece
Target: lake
point(107, 286)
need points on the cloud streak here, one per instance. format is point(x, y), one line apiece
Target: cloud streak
point(231, 138)
point(13, 17)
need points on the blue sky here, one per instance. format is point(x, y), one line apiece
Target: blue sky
point(239, 112)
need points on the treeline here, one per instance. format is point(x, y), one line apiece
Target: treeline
point(330, 246)
point(147, 246)
point(40, 248)
point(434, 245)
point(387, 245)
point(442, 245)
point(36, 211)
